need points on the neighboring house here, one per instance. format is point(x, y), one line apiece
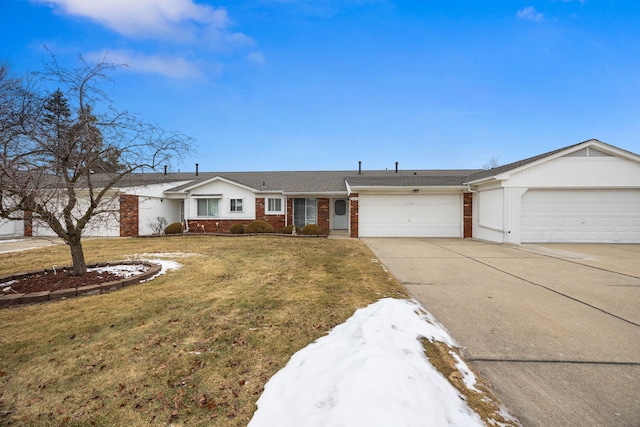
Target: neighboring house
point(587, 192)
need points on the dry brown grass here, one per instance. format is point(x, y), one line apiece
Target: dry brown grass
point(193, 347)
point(484, 403)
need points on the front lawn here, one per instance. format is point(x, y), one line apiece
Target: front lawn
point(192, 347)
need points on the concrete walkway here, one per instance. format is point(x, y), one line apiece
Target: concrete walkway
point(17, 244)
point(555, 328)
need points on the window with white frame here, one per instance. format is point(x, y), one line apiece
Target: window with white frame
point(207, 207)
point(274, 205)
point(305, 211)
point(236, 205)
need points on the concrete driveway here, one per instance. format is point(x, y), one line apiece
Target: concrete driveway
point(555, 328)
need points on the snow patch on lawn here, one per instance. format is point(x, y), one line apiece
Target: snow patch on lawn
point(369, 371)
point(167, 264)
point(468, 377)
point(155, 258)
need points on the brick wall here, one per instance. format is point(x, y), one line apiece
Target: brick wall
point(324, 220)
point(215, 225)
point(128, 215)
point(353, 209)
point(28, 224)
point(289, 211)
point(277, 220)
point(224, 225)
point(467, 213)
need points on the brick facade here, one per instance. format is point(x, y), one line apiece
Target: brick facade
point(28, 224)
point(129, 215)
point(353, 212)
point(324, 219)
point(467, 213)
point(215, 225)
point(277, 220)
point(289, 211)
point(224, 225)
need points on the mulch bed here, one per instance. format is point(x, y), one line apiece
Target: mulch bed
point(49, 281)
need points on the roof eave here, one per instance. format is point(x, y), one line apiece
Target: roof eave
point(356, 188)
point(316, 193)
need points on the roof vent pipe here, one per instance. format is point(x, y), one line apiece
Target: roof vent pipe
point(359, 167)
point(396, 167)
point(197, 169)
point(165, 169)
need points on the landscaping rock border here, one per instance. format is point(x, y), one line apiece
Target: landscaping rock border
point(44, 296)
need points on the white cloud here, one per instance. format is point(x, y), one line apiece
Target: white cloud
point(168, 66)
point(256, 57)
point(170, 24)
point(529, 14)
point(177, 20)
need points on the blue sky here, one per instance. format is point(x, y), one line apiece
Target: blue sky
point(323, 84)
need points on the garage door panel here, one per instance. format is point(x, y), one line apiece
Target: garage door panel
point(590, 216)
point(410, 215)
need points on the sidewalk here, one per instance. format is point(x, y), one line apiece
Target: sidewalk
point(17, 244)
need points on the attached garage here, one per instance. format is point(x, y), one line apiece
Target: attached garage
point(410, 215)
point(585, 215)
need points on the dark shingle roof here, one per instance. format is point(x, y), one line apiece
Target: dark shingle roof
point(292, 182)
point(329, 181)
point(305, 181)
point(410, 178)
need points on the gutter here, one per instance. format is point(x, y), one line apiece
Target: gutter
point(409, 187)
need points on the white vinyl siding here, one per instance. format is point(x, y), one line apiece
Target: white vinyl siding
point(589, 216)
point(430, 215)
point(490, 209)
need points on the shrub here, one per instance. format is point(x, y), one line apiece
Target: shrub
point(173, 228)
point(237, 229)
point(259, 226)
point(311, 230)
point(289, 230)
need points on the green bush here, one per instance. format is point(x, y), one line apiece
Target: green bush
point(289, 230)
point(311, 230)
point(173, 228)
point(259, 226)
point(237, 229)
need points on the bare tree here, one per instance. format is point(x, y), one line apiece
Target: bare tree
point(64, 153)
point(493, 162)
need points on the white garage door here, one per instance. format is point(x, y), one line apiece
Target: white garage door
point(432, 215)
point(592, 216)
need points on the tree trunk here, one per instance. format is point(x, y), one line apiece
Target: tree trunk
point(77, 255)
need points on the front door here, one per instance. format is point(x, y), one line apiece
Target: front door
point(340, 217)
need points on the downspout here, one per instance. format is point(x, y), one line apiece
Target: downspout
point(186, 212)
point(286, 210)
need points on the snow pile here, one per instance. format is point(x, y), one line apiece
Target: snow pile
point(135, 269)
point(369, 371)
point(121, 270)
point(166, 264)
